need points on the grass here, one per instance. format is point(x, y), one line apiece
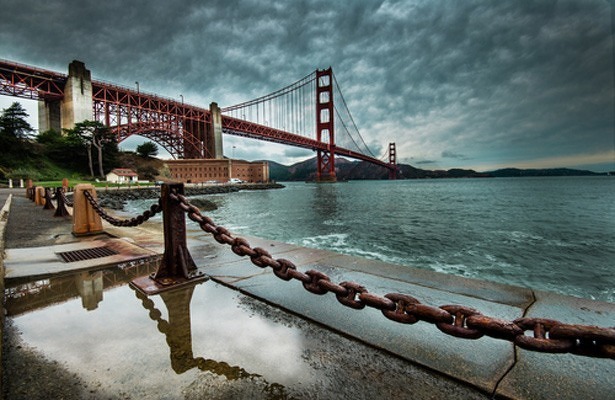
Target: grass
point(73, 182)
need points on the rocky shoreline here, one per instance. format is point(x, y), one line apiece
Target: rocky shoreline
point(116, 199)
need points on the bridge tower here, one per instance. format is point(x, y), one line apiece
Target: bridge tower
point(392, 162)
point(325, 168)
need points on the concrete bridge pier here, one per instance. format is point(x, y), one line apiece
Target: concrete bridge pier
point(77, 102)
point(50, 115)
point(215, 132)
point(76, 106)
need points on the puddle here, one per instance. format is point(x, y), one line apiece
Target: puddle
point(94, 323)
point(201, 341)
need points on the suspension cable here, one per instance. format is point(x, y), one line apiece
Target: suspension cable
point(350, 115)
point(293, 86)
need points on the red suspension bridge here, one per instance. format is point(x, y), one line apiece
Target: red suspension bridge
point(310, 113)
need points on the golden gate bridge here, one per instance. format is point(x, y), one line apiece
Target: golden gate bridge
point(310, 113)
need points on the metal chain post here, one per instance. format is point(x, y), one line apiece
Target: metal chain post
point(177, 266)
point(61, 210)
point(48, 201)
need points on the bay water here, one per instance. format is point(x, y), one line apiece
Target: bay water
point(548, 233)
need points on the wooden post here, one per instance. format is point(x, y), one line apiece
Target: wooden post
point(39, 196)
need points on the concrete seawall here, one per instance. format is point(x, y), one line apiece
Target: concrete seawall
point(491, 367)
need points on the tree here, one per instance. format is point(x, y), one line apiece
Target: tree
point(65, 150)
point(14, 133)
point(94, 134)
point(13, 122)
point(147, 149)
point(148, 173)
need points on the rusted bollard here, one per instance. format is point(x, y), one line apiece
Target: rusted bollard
point(177, 267)
point(85, 219)
point(48, 201)
point(61, 210)
point(29, 190)
point(39, 196)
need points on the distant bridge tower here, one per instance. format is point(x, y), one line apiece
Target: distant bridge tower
point(392, 161)
point(325, 168)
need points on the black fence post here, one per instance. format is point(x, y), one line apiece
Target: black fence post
point(61, 210)
point(177, 266)
point(48, 202)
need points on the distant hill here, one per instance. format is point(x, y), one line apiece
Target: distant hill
point(512, 172)
point(362, 170)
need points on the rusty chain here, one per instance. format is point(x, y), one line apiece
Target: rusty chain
point(64, 198)
point(547, 335)
point(135, 221)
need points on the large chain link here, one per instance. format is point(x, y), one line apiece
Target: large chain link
point(135, 221)
point(67, 202)
point(548, 336)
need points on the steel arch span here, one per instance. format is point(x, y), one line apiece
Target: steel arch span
point(182, 130)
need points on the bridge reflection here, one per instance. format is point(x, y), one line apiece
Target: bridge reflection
point(22, 297)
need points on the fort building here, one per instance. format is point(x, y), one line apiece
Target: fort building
point(217, 170)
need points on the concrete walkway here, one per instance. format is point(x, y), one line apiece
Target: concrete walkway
point(494, 366)
point(489, 365)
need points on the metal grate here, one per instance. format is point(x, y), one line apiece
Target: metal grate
point(86, 254)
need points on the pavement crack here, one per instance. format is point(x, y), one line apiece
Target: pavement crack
point(515, 351)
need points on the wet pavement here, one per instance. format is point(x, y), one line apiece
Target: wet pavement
point(201, 342)
point(246, 334)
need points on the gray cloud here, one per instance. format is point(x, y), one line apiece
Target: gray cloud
point(452, 154)
point(295, 152)
point(500, 82)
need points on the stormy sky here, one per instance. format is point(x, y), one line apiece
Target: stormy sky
point(472, 84)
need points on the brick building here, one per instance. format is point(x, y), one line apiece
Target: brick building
point(218, 170)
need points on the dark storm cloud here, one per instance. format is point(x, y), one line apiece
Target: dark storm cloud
point(452, 154)
point(499, 82)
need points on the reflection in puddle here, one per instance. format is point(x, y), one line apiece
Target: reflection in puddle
point(199, 342)
point(114, 342)
point(22, 297)
point(177, 330)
